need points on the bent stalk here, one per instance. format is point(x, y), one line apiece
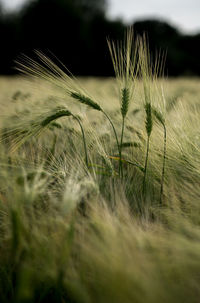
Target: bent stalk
point(114, 130)
point(84, 140)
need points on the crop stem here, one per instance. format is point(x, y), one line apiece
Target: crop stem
point(120, 151)
point(164, 160)
point(114, 130)
point(145, 167)
point(84, 141)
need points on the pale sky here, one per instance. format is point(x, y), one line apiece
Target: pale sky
point(13, 4)
point(183, 13)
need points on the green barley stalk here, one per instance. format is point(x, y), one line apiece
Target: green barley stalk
point(124, 55)
point(124, 111)
point(47, 70)
point(161, 120)
point(148, 126)
point(89, 102)
point(149, 74)
point(147, 79)
point(65, 113)
point(42, 123)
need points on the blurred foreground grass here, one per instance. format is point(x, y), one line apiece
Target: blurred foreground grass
point(73, 234)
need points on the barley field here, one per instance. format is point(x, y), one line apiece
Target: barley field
point(99, 186)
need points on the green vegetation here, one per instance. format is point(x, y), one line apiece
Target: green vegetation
point(93, 213)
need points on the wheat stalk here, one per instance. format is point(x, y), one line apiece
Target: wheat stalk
point(158, 115)
point(123, 55)
point(85, 100)
point(66, 82)
point(42, 122)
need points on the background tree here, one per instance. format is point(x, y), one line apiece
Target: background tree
point(76, 30)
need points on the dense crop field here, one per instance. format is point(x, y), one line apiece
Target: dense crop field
point(88, 214)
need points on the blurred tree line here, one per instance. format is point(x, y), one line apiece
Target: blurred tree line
point(76, 30)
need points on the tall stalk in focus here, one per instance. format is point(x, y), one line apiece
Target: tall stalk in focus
point(160, 118)
point(149, 73)
point(47, 70)
point(124, 56)
point(147, 80)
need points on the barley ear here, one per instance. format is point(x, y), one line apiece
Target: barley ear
point(125, 101)
point(148, 122)
point(85, 100)
point(63, 113)
point(60, 113)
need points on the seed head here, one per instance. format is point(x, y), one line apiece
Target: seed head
point(58, 114)
point(125, 101)
point(85, 100)
point(148, 122)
